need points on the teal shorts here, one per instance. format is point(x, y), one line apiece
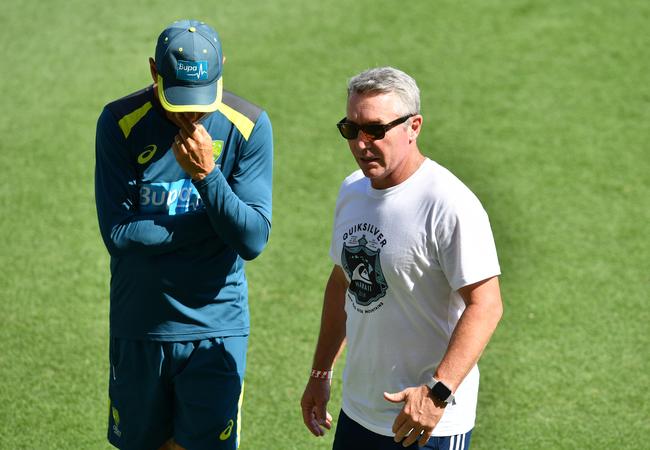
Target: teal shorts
point(191, 391)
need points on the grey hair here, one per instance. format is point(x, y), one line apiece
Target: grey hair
point(386, 80)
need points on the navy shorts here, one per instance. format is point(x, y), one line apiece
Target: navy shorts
point(191, 391)
point(352, 436)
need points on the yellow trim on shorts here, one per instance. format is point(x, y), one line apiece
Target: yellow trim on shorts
point(241, 401)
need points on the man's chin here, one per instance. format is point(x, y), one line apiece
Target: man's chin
point(372, 171)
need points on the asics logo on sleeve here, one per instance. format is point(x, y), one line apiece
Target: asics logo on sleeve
point(147, 154)
point(225, 434)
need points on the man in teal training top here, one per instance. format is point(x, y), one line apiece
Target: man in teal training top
point(183, 190)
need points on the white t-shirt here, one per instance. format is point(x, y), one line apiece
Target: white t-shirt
point(406, 250)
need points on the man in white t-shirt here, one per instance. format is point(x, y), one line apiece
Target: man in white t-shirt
point(414, 289)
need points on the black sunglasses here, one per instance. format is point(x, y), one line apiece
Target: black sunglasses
point(350, 130)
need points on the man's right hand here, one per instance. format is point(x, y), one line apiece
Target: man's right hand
point(314, 406)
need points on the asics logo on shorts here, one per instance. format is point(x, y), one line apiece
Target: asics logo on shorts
point(116, 420)
point(225, 434)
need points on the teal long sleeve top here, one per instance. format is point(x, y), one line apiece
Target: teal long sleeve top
point(178, 246)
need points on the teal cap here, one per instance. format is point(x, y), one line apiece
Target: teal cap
point(189, 62)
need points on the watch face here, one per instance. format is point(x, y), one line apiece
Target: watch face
point(440, 391)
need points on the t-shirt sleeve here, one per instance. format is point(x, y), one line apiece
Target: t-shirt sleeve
point(466, 249)
point(334, 250)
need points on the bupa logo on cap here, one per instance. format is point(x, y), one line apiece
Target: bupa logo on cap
point(192, 70)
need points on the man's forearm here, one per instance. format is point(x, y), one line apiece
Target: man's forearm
point(153, 235)
point(472, 333)
point(331, 338)
point(245, 228)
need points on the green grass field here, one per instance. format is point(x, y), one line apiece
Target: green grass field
point(541, 107)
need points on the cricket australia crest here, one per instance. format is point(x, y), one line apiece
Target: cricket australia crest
point(361, 262)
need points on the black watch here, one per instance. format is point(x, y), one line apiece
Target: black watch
point(440, 391)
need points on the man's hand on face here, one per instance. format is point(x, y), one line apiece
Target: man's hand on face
point(193, 148)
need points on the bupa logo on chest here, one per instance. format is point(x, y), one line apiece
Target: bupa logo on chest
point(172, 198)
point(192, 70)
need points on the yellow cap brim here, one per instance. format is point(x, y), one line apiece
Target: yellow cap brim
point(191, 107)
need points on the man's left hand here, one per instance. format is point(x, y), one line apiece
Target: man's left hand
point(418, 416)
point(193, 149)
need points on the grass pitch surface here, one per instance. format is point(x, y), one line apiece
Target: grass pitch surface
point(540, 107)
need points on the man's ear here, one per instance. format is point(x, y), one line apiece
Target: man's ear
point(154, 71)
point(415, 127)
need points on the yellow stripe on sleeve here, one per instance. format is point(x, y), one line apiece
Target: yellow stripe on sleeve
point(127, 122)
point(243, 123)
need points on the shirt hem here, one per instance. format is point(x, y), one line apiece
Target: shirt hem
point(445, 430)
point(496, 272)
point(179, 337)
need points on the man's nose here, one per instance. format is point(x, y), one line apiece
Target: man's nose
point(363, 141)
point(193, 116)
